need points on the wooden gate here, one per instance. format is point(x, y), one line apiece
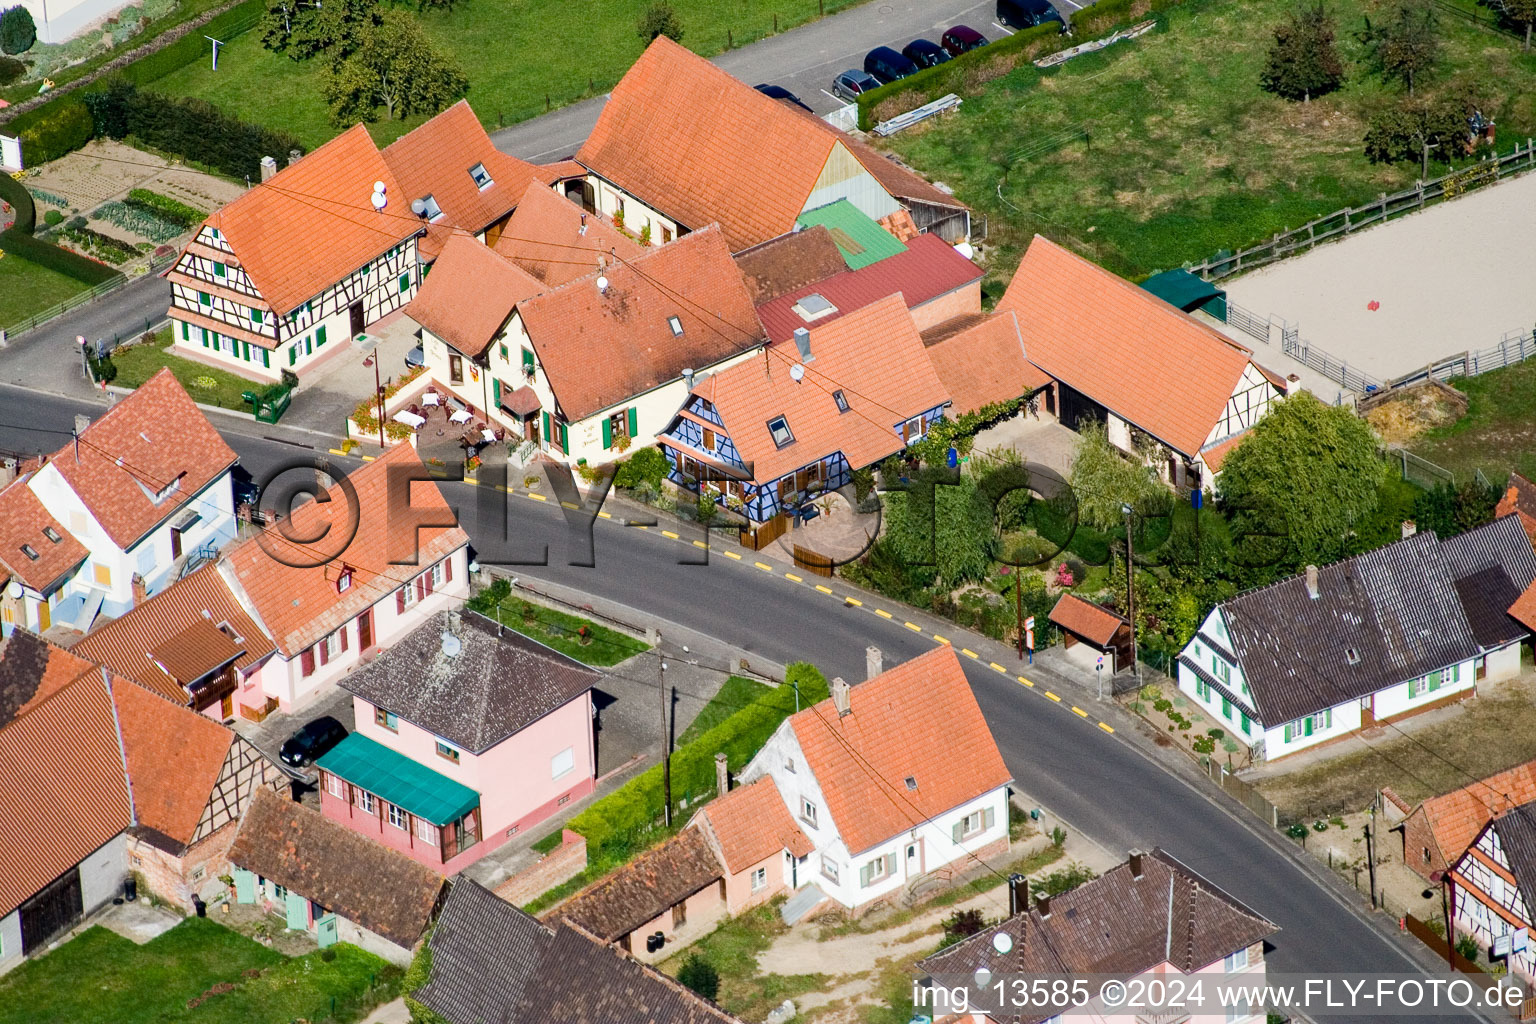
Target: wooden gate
point(766, 534)
point(813, 561)
point(52, 910)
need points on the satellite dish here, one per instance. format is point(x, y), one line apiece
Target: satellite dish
point(419, 207)
point(13, 589)
point(378, 187)
point(983, 977)
point(451, 645)
point(602, 284)
point(378, 199)
point(797, 372)
point(1002, 942)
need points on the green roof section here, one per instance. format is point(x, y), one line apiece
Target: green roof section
point(396, 778)
point(1188, 292)
point(861, 240)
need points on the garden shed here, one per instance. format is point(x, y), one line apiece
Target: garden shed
point(1188, 292)
point(1089, 630)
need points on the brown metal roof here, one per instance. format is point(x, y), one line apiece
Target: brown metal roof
point(195, 651)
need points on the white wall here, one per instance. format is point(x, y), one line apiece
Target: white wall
point(843, 177)
point(637, 214)
point(1503, 663)
point(59, 20)
point(10, 939)
point(1346, 719)
point(102, 873)
point(1394, 700)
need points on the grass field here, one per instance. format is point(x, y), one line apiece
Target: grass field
point(515, 52)
point(27, 289)
point(139, 362)
point(1498, 433)
point(602, 646)
point(1185, 155)
point(735, 693)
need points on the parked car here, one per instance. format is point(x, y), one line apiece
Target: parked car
point(778, 92)
point(887, 65)
point(962, 39)
point(1028, 13)
point(925, 53)
point(312, 741)
point(852, 82)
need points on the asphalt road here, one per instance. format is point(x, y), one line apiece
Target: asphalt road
point(1104, 785)
point(803, 60)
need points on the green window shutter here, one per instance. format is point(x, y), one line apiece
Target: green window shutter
point(607, 433)
point(186, 331)
point(256, 315)
point(266, 359)
point(496, 390)
point(205, 336)
point(293, 353)
point(1246, 723)
point(1306, 726)
point(218, 270)
point(634, 421)
point(1226, 709)
point(1328, 719)
point(957, 831)
point(528, 360)
point(890, 865)
point(1413, 688)
point(547, 438)
point(504, 353)
point(203, 298)
point(864, 873)
point(988, 818)
point(319, 335)
point(565, 439)
point(1434, 680)
point(245, 351)
point(405, 283)
point(1289, 726)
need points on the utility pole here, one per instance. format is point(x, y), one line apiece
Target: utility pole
point(1018, 603)
point(666, 738)
point(1370, 863)
point(1445, 913)
point(1130, 586)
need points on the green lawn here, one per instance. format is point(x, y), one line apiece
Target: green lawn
point(602, 646)
point(515, 52)
point(732, 949)
point(736, 693)
point(1185, 154)
point(1498, 433)
point(27, 288)
point(138, 362)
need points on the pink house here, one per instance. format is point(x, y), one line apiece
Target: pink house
point(750, 830)
point(467, 734)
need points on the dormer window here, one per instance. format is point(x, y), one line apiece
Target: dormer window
point(911, 784)
point(676, 325)
point(778, 428)
point(1352, 656)
point(344, 581)
point(52, 534)
point(168, 490)
point(29, 551)
point(431, 211)
point(841, 400)
point(481, 177)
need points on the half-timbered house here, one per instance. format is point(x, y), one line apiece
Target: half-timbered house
point(1158, 379)
point(1493, 888)
point(772, 430)
point(306, 259)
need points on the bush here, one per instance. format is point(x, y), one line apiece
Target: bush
point(1062, 880)
point(35, 250)
point(61, 130)
point(21, 201)
point(165, 206)
point(10, 70)
point(646, 466)
point(1466, 945)
point(659, 19)
point(700, 975)
point(17, 30)
point(192, 47)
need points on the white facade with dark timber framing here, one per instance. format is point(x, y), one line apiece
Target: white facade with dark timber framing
point(1493, 887)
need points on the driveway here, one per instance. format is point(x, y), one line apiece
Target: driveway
point(1041, 441)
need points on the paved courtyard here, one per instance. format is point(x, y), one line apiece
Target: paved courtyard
point(1450, 278)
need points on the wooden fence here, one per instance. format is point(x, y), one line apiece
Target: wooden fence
point(813, 562)
point(1351, 219)
point(1243, 792)
point(1265, 329)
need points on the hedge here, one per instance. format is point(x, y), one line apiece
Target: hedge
point(20, 199)
point(628, 813)
point(192, 47)
point(968, 72)
point(54, 131)
point(35, 250)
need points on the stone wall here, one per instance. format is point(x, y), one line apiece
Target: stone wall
point(561, 864)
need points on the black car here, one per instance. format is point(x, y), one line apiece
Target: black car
point(852, 82)
point(887, 65)
point(778, 92)
point(962, 39)
point(312, 741)
point(1028, 13)
point(925, 53)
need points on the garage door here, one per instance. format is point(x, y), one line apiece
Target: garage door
point(51, 911)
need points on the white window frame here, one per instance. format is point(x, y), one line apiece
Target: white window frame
point(437, 575)
point(876, 869)
point(567, 758)
point(333, 644)
point(398, 818)
point(426, 831)
point(366, 802)
point(829, 869)
point(410, 594)
point(967, 830)
point(759, 879)
point(448, 752)
point(1236, 961)
point(808, 813)
point(335, 785)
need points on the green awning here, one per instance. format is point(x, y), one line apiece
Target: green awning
point(859, 238)
point(399, 780)
point(1188, 292)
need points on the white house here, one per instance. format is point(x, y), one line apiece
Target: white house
point(1374, 638)
point(142, 495)
point(892, 780)
point(1493, 887)
point(1150, 917)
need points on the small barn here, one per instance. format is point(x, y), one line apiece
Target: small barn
point(1089, 630)
point(1188, 292)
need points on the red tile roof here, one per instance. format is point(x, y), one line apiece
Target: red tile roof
point(792, 261)
point(1122, 346)
point(436, 158)
point(1092, 622)
point(65, 794)
point(874, 356)
point(751, 823)
point(124, 644)
point(1524, 609)
point(320, 208)
point(153, 438)
point(644, 888)
point(32, 670)
point(544, 237)
point(1216, 454)
point(469, 295)
point(698, 145)
point(175, 757)
point(928, 269)
point(599, 349)
point(985, 363)
point(23, 520)
point(917, 720)
point(298, 605)
point(1457, 817)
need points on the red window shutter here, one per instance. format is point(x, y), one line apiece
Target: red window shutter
point(324, 656)
point(343, 637)
point(400, 601)
point(307, 662)
point(421, 588)
point(427, 577)
point(448, 569)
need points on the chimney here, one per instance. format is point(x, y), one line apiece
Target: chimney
point(1018, 893)
point(1043, 904)
point(688, 378)
point(1409, 528)
point(581, 231)
point(840, 696)
point(874, 662)
point(140, 592)
point(1136, 872)
point(722, 775)
point(1312, 590)
point(294, 156)
point(268, 168)
point(803, 343)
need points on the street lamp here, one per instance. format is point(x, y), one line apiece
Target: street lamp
point(287, 25)
point(1130, 585)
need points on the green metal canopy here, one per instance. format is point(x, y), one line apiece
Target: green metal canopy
point(859, 238)
point(396, 778)
point(1188, 292)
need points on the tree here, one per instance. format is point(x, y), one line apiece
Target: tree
point(17, 30)
point(398, 68)
point(1450, 509)
point(434, 5)
point(1304, 61)
point(335, 27)
point(660, 19)
point(1104, 480)
point(1521, 12)
point(1406, 45)
point(1413, 129)
point(1306, 477)
point(700, 975)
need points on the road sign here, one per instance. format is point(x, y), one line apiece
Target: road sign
point(1501, 946)
point(1100, 664)
point(1520, 941)
point(1029, 623)
point(1029, 638)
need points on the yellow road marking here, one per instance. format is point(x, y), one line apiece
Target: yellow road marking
point(336, 451)
point(824, 590)
point(472, 481)
point(537, 497)
point(1026, 682)
point(700, 544)
point(997, 666)
point(605, 515)
point(1106, 728)
point(765, 568)
point(570, 505)
point(941, 639)
point(882, 613)
point(854, 601)
point(1079, 712)
point(731, 554)
point(914, 627)
point(1053, 697)
point(969, 653)
point(792, 576)
point(669, 533)
point(369, 458)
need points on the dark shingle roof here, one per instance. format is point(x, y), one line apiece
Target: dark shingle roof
point(1115, 924)
point(1516, 829)
point(493, 687)
point(484, 953)
point(644, 888)
point(1486, 597)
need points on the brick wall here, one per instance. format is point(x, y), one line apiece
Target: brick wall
point(561, 864)
point(965, 299)
point(1417, 836)
point(171, 878)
